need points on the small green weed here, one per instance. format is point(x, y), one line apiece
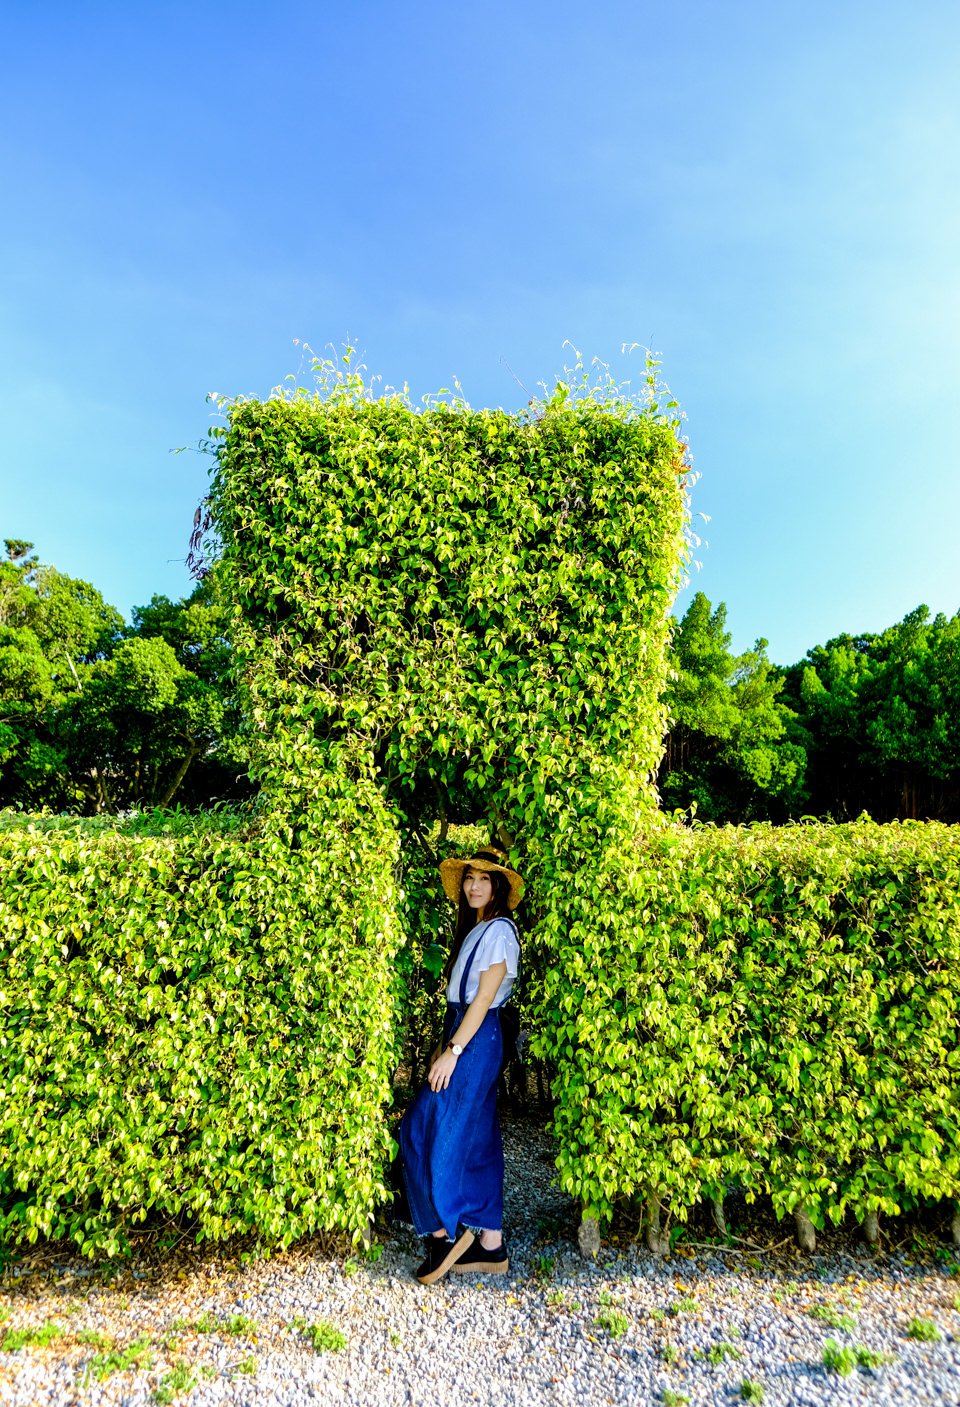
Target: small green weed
point(325, 1336)
point(658, 1314)
point(613, 1321)
point(93, 1337)
point(178, 1326)
point(556, 1297)
point(956, 1303)
point(373, 1253)
point(720, 1352)
point(674, 1399)
point(923, 1329)
point(828, 1315)
point(248, 1366)
point(844, 1360)
point(838, 1360)
point(15, 1339)
point(669, 1353)
point(544, 1267)
point(751, 1390)
point(350, 1267)
point(207, 1371)
point(870, 1358)
point(395, 1338)
point(179, 1379)
point(575, 1306)
point(118, 1360)
point(298, 1322)
point(206, 1323)
point(683, 1306)
point(605, 1297)
point(4, 1314)
point(239, 1324)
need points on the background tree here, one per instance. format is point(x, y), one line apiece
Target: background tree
point(96, 714)
point(881, 718)
point(214, 734)
point(728, 752)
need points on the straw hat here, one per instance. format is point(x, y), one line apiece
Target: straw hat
point(486, 858)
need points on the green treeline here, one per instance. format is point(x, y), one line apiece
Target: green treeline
point(98, 716)
point(863, 723)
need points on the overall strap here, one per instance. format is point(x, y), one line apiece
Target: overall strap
point(469, 962)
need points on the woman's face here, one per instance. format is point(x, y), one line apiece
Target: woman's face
point(477, 888)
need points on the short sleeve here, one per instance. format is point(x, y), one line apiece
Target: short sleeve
point(499, 945)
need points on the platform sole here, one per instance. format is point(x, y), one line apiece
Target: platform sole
point(481, 1267)
point(459, 1248)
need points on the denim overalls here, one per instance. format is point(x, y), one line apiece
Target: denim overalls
point(450, 1141)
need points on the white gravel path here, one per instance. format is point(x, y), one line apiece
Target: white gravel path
point(693, 1327)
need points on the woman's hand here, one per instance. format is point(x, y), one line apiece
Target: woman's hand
point(441, 1070)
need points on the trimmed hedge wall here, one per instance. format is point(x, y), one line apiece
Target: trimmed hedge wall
point(468, 611)
point(776, 1007)
point(201, 1028)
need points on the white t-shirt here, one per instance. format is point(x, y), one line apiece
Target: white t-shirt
point(498, 943)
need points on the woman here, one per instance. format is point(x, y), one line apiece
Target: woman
point(452, 1156)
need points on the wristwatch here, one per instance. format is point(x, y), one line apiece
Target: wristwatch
point(457, 1049)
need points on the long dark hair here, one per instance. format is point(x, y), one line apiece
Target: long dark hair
point(468, 918)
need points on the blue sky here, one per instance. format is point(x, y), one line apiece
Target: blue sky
point(769, 195)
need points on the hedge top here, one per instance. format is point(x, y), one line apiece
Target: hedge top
point(473, 603)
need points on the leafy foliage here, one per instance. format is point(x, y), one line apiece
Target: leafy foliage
point(614, 1321)
point(15, 1339)
point(844, 1360)
point(454, 615)
point(864, 723)
point(924, 1330)
point(728, 755)
point(166, 1042)
point(101, 717)
point(879, 718)
point(779, 1009)
point(325, 1337)
point(833, 1317)
point(118, 1360)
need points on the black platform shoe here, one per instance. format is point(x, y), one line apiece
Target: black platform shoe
point(442, 1252)
point(477, 1259)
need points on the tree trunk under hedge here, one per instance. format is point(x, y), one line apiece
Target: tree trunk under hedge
point(806, 1231)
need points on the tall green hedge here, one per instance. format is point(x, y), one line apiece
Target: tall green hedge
point(470, 606)
point(439, 615)
point(777, 1008)
point(447, 616)
point(196, 1028)
point(200, 1028)
point(467, 610)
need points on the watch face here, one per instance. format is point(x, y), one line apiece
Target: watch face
point(458, 1050)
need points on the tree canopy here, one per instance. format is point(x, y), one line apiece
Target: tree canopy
point(95, 714)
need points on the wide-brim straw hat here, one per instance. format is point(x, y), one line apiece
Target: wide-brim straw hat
point(488, 859)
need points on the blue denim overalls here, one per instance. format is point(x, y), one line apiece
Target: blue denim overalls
point(450, 1141)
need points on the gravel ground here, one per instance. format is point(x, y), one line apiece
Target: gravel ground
point(628, 1328)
